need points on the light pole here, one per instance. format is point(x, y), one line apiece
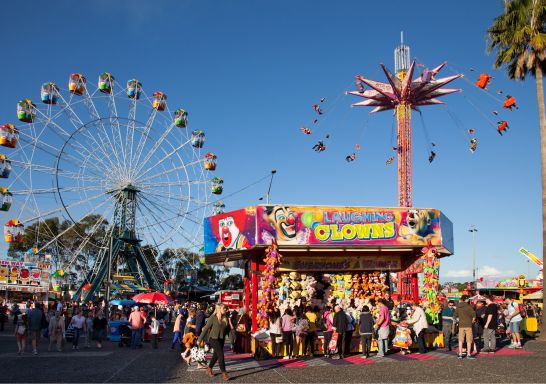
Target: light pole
point(473, 230)
point(273, 171)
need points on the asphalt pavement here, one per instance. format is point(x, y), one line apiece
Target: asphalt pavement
point(112, 364)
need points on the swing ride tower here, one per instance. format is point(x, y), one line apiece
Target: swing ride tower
point(403, 124)
point(402, 93)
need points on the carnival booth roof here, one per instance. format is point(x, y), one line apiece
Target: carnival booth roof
point(319, 231)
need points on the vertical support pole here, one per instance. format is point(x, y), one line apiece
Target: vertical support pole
point(108, 280)
point(414, 287)
point(254, 311)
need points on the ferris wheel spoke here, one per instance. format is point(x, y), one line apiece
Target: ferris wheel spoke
point(167, 157)
point(178, 168)
point(171, 196)
point(66, 207)
point(97, 122)
point(52, 171)
point(55, 190)
point(115, 127)
point(152, 151)
point(162, 224)
point(78, 123)
point(143, 138)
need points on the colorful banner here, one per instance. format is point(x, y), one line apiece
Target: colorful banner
point(355, 263)
point(19, 275)
point(293, 225)
point(230, 231)
point(327, 226)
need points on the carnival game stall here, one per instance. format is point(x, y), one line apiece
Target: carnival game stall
point(318, 256)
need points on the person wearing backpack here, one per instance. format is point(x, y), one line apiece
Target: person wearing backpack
point(515, 318)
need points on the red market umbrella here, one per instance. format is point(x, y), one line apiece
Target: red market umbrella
point(152, 298)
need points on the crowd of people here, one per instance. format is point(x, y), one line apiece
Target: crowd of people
point(199, 329)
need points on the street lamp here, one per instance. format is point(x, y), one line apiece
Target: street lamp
point(273, 171)
point(473, 230)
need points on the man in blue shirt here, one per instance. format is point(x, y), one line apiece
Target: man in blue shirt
point(447, 323)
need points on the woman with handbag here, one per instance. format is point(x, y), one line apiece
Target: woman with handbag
point(216, 329)
point(21, 332)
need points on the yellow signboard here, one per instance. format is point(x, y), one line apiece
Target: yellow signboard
point(342, 264)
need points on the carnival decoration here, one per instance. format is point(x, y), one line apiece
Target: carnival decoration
point(134, 88)
point(76, 84)
point(49, 93)
point(270, 284)
point(431, 283)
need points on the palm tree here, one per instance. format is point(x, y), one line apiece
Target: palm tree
point(518, 37)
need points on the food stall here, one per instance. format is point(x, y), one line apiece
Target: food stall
point(326, 255)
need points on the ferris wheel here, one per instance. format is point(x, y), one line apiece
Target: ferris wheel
point(115, 166)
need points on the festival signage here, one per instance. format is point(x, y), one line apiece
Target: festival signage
point(300, 225)
point(24, 276)
point(327, 226)
point(354, 263)
point(230, 231)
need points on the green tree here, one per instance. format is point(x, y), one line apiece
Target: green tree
point(232, 282)
point(518, 38)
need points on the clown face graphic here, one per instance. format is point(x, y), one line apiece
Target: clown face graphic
point(283, 221)
point(230, 236)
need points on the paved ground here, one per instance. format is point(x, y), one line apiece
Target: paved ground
point(114, 364)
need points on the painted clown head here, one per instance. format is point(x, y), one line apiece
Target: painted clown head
point(283, 220)
point(228, 231)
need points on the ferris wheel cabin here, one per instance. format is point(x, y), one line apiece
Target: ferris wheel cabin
point(181, 118)
point(76, 84)
point(134, 88)
point(197, 139)
point(13, 231)
point(6, 199)
point(159, 101)
point(106, 82)
point(5, 167)
point(26, 111)
point(217, 185)
point(210, 161)
point(49, 93)
point(9, 135)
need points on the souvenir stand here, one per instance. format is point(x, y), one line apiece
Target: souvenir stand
point(324, 255)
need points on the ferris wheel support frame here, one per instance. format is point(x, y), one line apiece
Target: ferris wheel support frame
point(124, 245)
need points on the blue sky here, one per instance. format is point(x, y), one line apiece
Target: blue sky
point(249, 71)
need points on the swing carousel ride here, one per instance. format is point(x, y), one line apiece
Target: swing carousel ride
point(114, 154)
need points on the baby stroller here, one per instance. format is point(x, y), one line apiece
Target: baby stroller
point(125, 336)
